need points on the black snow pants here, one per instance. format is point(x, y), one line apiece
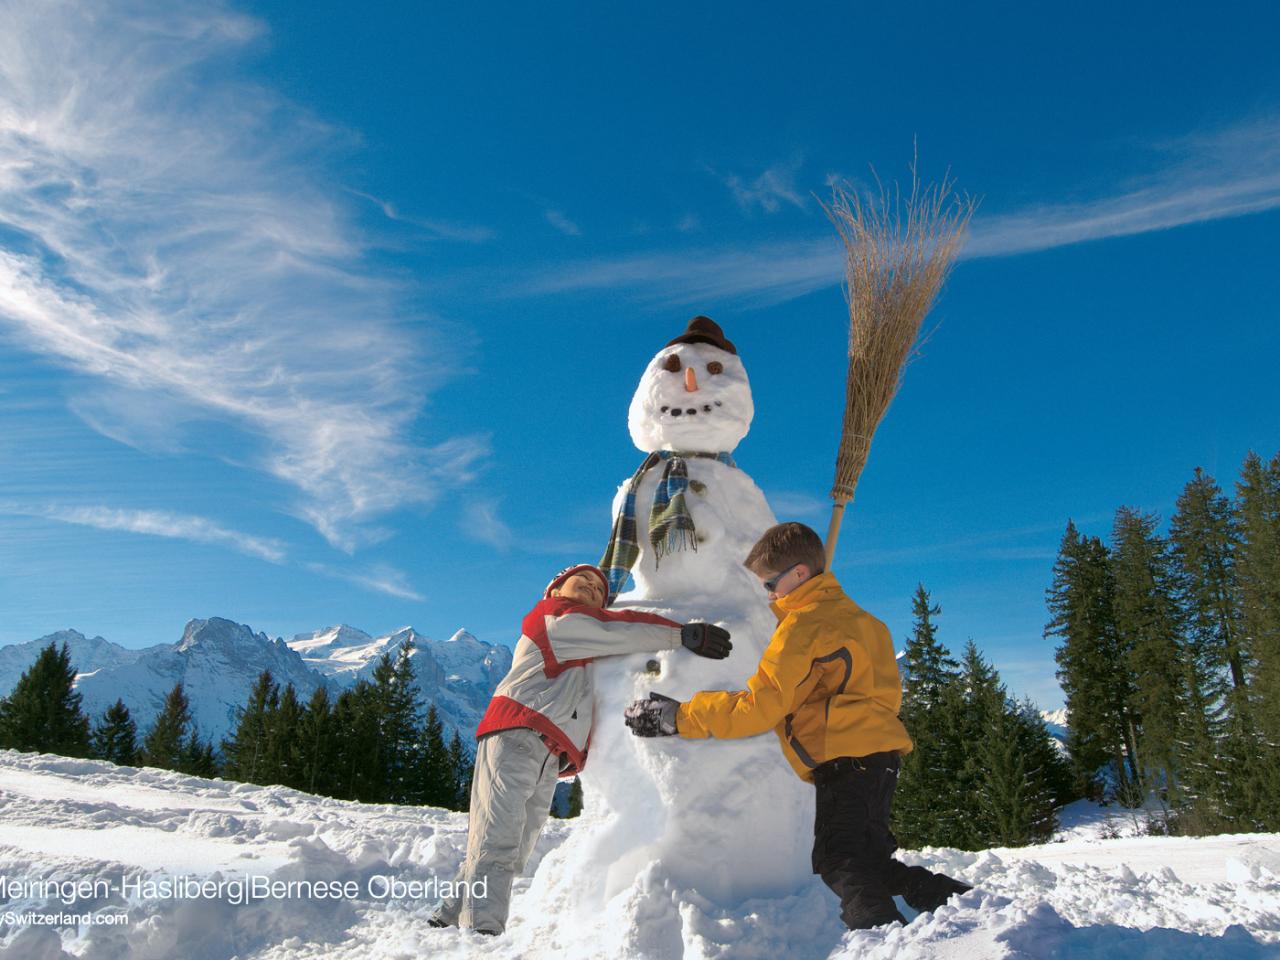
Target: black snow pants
point(853, 845)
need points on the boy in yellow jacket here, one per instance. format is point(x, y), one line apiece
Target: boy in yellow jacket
point(828, 686)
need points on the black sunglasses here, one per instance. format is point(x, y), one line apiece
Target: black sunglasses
point(771, 584)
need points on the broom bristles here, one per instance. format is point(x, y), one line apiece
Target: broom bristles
point(898, 253)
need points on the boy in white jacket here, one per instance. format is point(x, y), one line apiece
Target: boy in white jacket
point(538, 726)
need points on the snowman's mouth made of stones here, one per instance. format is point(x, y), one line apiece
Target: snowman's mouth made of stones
point(702, 409)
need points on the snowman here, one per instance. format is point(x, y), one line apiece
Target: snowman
point(670, 821)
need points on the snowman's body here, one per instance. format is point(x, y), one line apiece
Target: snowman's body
point(665, 815)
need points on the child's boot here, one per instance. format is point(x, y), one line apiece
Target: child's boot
point(929, 893)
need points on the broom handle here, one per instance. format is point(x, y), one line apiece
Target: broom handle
point(833, 531)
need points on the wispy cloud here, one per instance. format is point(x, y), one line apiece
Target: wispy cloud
point(761, 275)
point(790, 503)
point(562, 223)
point(1208, 176)
point(768, 191)
point(379, 578)
point(436, 229)
point(1037, 554)
point(480, 521)
point(157, 523)
point(989, 545)
point(171, 238)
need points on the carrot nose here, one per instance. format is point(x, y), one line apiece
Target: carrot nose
point(690, 380)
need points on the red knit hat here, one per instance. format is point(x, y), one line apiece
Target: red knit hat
point(568, 572)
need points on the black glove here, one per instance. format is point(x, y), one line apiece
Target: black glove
point(706, 640)
point(654, 716)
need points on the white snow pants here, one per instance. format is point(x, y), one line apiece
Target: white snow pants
point(515, 778)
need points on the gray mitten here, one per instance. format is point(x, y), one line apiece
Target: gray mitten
point(654, 716)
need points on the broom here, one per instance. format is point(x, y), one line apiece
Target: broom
point(898, 253)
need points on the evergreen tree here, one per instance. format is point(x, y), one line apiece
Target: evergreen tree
point(357, 745)
point(1023, 780)
point(198, 758)
point(1147, 627)
point(315, 745)
point(575, 799)
point(974, 703)
point(167, 743)
point(927, 772)
point(928, 665)
point(1258, 570)
point(284, 761)
point(42, 713)
point(1074, 619)
point(1253, 749)
point(115, 736)
point(437, 781)
point(1253, 803)
point(995, 776)
point(1010, 804)
point(245, 752)
point(1046, 757)
point(397, 710)
point(1013, 778)
point(1092, 668)
point(566, 801)
point(1203, 542)
point(462, 765)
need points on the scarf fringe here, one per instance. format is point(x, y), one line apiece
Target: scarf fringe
point(677, 539)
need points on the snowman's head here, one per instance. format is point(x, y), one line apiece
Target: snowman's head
point(694, 395)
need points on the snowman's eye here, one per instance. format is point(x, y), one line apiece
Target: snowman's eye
point(715, 366)
point(672, 363)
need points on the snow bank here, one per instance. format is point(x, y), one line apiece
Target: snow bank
point(82, 820)
point(76, 820)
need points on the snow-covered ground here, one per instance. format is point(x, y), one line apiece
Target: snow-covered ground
point(1101, 890)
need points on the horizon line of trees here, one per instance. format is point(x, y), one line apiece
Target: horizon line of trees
point(373, 744)
point(1169, 654)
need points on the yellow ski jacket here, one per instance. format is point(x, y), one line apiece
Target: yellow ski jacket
point(827, 684)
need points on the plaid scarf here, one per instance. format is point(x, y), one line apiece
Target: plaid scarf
point(670, 523)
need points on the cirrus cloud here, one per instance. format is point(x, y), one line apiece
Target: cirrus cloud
point(1209, 175)
point(156, 523)
point(173, 238)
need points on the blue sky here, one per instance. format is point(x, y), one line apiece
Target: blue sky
point(323, 314)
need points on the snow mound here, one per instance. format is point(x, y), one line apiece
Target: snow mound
point(1215, 898)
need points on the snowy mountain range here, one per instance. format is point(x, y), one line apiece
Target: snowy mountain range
point(218, 661)
point(1056, 721)
point(458, 675)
